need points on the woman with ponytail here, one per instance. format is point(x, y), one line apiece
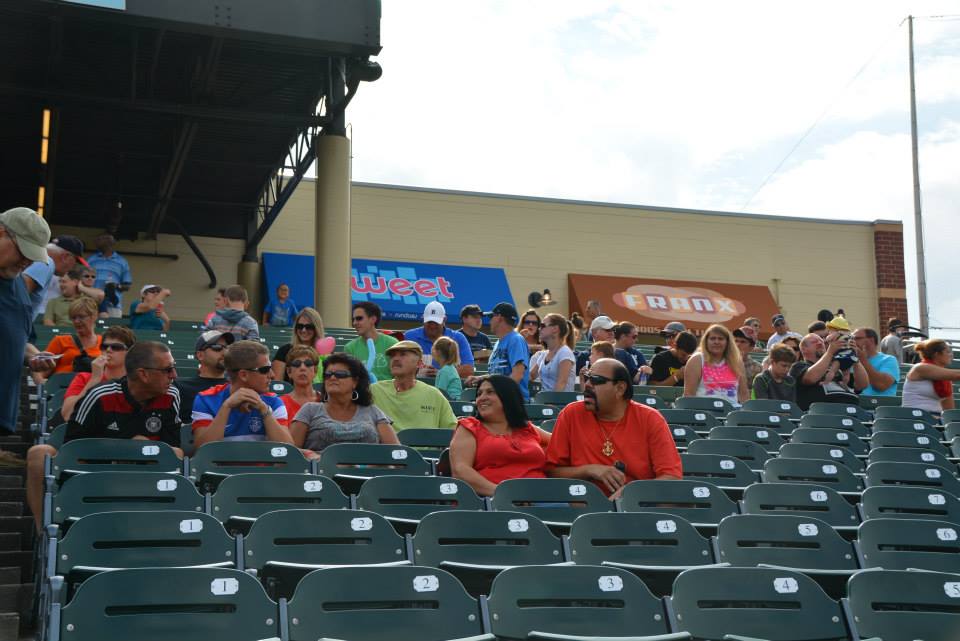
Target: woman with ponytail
point(929, 384)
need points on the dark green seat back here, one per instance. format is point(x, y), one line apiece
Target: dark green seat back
point(901, 544)
point(250, 495)
point(840, 409)
point(766, 437)
point(170, 604)
point(683, 436)
point(912, 440)
point(909, 425)
point(827, 473)
point(927, 609)
point(690, 417)
point(784, 540)
point(638, 538)
point(785, 408)
point(124, 491)
point(835, 422)
point(366, 460)
point(776, 422)
point(724, 471)
point(463, 407)
point(114, 455)
point(750, 452)
point(716, 406)
point(429, 441)
point(413, 497)
point(558, 399)
point(699, 502)
point(372, 604)
point(539, 413)
point(800, 499)
point(826, 436)
point(212, 462)
point(582, 601)
point(922, 475)
point(823, 451)
point(909, 413)
point(905, 502)
point(920, 455)
point(551, 500)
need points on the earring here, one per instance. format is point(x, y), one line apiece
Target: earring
point(355, 396)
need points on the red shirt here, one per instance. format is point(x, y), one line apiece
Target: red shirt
point(292, 406)
point(641, 440)
point(79, 381)
point(518, 455)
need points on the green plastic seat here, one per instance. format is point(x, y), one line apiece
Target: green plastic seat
point(727, 472)
point(286, 545)
point(840, 409)
point(827, 473)
point(350, 464)
point(683, 436)
point(775, 422)
point(405, 500)
point(475, 546)
point(654, 402)
point(949, 416)
point(766, 437)
point(836, 422)
point(902, 544)
point(280, 388)
point(908, 425)
point(242, 498)
point(905, 502)
point(547, 426)
point(910, 440)
point(429, 441)
point(690, 418)
point(113, 455)
point(767, 603)
point(800, 543)
point(927, 610)
point(770, 406)
point(909, 413)
point(558, 399)
point(823, 451)
point(873, 402)
point(716, 406)
point(910, 455)
point(922, 475)
point(538, 413)
point(213, 462)
point(666, 393)
point(825, 436)
point(654, 546)
point(750, 452)
point(800, 499)
point(168, 604)
point(575, 603)
point(701, 503)
point(555, 501)
point(951, 429)
point(463, 407)
point(377, 603)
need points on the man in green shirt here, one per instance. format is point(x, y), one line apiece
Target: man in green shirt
point(409, 402)
point(366, 316)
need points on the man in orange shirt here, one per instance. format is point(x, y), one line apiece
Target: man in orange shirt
point(609, 439)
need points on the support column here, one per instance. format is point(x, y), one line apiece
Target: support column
point(249, 271)
point(332, 277)
point(891, 279)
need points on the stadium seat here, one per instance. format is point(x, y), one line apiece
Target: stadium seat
point(908, 439)
point(825, 472)
point(558, 399)
point(113, 455)
point(654, 402)
point(469, 395)
point(910, 455)
point(775, 422)
point(463, 407)
point(825, 436)
point(728, 473)
point(800, 543)
point(951, 430)
point(683, 436)
point(802, 499)
point(823, 451)
point(429, 441)
point(241, 498)
point(949, 416)
point(666, 393)
point(547, 426)
point(757, 603)
point(654, 546)
point(405, 500)
point(475, 546)
point(350, 464)
point(575, 603)
point(213, 462)
point(750, 452)
point(716, 406)
point(873, 402)
point(280, 388)
point(786, 408)
point(909, 413)
point(167, 604)
point(927, 609)
point(835, 422)
point(765, 437)
point(923, 475)
point(701, 503)
point(539, 413)
point(690, 418)
point(285, 545)
point(906, 425)
point(376, 603)
point(901, 544)
point(557, 502)
point(840, 409)
point(905, 502)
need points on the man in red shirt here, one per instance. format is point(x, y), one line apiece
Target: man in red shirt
point(609, 439)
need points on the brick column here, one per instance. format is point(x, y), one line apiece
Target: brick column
point(891, 281)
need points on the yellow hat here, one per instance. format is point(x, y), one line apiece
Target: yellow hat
point(839, 323)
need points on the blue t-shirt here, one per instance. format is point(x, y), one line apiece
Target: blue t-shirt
point(16, 316)
point(112, 269)
point(42, 274)
point(510, 350)
point(144, 320)
point(241, 426)
point(888, 365)
point(416, 334)
point(282, 314)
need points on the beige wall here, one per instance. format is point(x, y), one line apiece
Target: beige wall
point(808, 265)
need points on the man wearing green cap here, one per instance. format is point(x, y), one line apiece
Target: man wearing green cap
point(23, 239)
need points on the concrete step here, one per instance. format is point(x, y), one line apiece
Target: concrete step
point(10, 480)
point(13, 495)
point(9, 508)
point(16, 597)
point(19, 558)
point(9, 575)
point(20, 524)
point(10, 541)
point(9, 626)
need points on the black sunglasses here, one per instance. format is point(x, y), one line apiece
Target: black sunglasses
point(532, 321)
point(217, 347)
point(297, 363)
point(165, 370)
point(337, 373)
point(309, 326)
point(597, 379)
point(113, 347)
point(263, 369)
point(357, 319)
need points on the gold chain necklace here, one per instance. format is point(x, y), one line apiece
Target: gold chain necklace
point(607, 449)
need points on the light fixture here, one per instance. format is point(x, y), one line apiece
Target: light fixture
point(41, 197)
point(536, 299)
point(45, 137)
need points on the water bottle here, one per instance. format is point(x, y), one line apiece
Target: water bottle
point(643, 378)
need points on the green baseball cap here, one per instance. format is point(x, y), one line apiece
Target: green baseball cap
point(30, 232)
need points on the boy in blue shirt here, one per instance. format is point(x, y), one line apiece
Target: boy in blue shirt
point(282, 311)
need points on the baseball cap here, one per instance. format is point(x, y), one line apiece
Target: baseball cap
point(405, 346)
point(673, 328)
point(30, 231)
point(777, 319)
point(504, 309)
point(71, 244)
point(471, 310)
point(839, 323)
point(143, 290)
point(601, 322)
point(209, 338)
point(746, 333)
point(434, 312)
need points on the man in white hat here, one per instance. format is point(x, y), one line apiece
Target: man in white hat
point(23, 239)
point(434, 326)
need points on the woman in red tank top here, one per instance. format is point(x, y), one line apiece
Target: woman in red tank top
point(499, 443)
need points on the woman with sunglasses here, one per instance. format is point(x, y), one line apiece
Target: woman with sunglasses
point(302, 364)
point(555, 366)
point(307, 330)
point(345, 413)
point(529, 327)
point(498, 442)
point(110, 365)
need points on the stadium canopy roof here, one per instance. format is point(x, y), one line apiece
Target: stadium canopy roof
point(178, 116)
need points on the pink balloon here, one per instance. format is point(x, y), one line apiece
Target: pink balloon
point(325, 346)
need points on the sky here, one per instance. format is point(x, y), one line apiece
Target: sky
point(678, 104)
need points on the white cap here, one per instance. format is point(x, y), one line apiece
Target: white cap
point(146, 287)
point(434, 313)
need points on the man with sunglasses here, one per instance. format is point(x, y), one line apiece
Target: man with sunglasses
point(366, 317)
point(609, 439)
point(243, 409)
point(148, 313)
point(209, 351)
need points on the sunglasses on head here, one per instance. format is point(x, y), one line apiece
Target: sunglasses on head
point(300, 326)
point(306, 363)
point(113, 347)
point(337, 373)
point(263, 369)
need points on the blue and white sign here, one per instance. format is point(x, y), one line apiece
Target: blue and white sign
point(119, 5)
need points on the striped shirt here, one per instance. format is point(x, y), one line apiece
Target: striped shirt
point(241, 426)
point(109, 411)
